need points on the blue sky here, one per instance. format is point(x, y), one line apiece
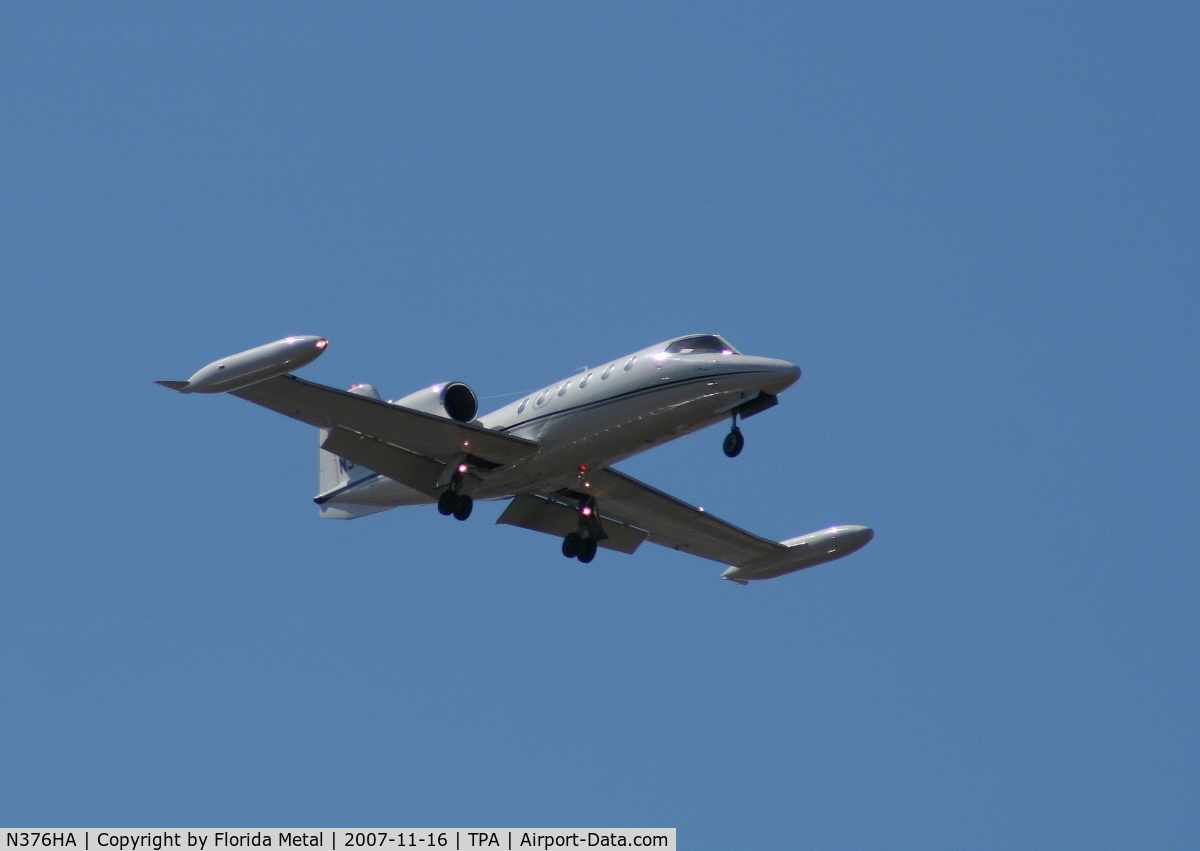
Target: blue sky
point(974, 228)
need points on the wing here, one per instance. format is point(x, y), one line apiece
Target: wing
point(415, 431)
point(672, 523)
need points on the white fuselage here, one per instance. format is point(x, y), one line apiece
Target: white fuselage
point(600, 416)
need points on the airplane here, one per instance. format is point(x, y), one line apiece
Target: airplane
point(550, 453)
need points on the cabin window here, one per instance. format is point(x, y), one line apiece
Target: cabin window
point(521, 409)
point(586, 379)
point(629, 363)
point(607, 371)
point(563, 389)
point(541, 400)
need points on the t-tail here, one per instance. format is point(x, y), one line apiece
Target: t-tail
point(339, 475)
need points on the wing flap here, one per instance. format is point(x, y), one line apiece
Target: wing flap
point(673, 523)
point(425, 434)
point(545, 515)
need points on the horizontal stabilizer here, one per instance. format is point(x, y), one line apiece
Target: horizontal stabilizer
point(173, 385)
point(350, 512)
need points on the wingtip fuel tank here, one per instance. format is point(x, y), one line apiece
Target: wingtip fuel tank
point(254, 365)
point(806, 551)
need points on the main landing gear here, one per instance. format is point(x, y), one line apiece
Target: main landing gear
point(453, 501)
point(577, 546)
point(734, 440)
point(458, 504)
point(582, 544)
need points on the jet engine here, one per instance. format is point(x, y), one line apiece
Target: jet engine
point(454, 400)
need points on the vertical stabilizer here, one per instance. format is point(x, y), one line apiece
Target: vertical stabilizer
point(337, 472)
point(333, 475)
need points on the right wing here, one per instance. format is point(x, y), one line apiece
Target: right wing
point(433, 437)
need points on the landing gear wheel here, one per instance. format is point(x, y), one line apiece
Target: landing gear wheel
point(587, 550)
point(447, 502)
point(571, 545)
point(462, 510)
point(734, 443)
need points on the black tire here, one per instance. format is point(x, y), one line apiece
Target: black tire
point(462, 510)
point(587, 550)
point(734, 443)
point(571, 545)
point(447, 502)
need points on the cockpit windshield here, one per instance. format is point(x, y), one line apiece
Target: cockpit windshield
point(703, 344)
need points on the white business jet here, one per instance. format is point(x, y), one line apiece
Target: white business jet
point(550, 452)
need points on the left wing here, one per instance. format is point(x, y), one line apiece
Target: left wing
point(673, 523)
point(677, 525)
point(631, 512)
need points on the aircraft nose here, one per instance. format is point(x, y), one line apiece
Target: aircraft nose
point(856, 537)
point(789, 369)
point(783, 374)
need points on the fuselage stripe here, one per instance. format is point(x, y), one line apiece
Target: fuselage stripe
point(619, 396)
point(349, 486)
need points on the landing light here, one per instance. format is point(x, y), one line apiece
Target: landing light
point(587, 511)
point(462, 468)
point(320, 344)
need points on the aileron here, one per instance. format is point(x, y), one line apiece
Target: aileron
point(673, 523)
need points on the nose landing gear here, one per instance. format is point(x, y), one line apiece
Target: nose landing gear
point(734, 441)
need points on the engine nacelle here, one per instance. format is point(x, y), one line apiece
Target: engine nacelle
point(454, 400)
